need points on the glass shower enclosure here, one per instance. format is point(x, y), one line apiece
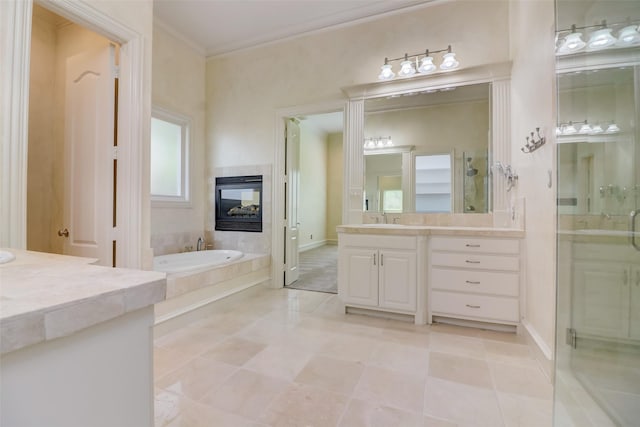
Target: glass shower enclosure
point(597, 380)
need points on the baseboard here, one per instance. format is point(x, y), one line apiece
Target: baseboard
point(313, 245)
point(542, 352)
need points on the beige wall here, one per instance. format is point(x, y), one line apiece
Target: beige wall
point(335, 172)
point(312, 202)
point(533, 105)
point(178, 86)
point(244, 89)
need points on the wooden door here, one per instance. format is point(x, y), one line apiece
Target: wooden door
point(89, 135)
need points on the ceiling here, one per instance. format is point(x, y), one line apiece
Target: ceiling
point(216, 27)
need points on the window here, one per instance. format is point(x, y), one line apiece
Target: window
point(169, 158)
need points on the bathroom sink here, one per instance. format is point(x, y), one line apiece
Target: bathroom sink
point(6, 256)
point(382, 225)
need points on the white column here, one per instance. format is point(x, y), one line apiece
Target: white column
point(354, 163)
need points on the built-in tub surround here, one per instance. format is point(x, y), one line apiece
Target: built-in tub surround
point(172, 243)
point(76, 341)
point(190, 293)
point(195, 260)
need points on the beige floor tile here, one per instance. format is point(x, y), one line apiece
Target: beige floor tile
point(301, 405)
point(192, 341)
point(234, 351)
point(279, 361)
point(362, 414)
point(522, 380)
point(391, 388)
point(523, 411)
point(461, 404)
point(307, 302)
point(464, 370)
point(517, 354)
point(304, 339)
point(339, 376)
point(349, 348)
point(265, 331)
point(458, 345)
point(407, 337)
point(245, 393)
point(172, 410)
point(455, 330)
point(509, 337)
point(403, 358)
point(196, 378)
point(437, 422)
point(166, 360)
point(226, 323)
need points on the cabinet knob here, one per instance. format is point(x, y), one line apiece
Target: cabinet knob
point(64, 233)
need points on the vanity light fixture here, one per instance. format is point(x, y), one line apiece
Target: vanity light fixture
point(569, 129)
point(585, 128)
point(601, 37)
point(418, 64)
point(378, 142)
point(612, 128)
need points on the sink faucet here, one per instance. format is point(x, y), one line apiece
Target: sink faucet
point(200, 244)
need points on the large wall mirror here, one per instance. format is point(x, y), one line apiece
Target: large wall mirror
point(428, 151)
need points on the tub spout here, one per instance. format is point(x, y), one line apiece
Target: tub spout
point(200, 244)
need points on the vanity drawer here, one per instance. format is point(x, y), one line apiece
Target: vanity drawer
point(479, 306)
point(487, 282)
point(476, 261)
point(475, 245)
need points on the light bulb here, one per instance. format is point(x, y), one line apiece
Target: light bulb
point(386, 73)
point(613, 128)
point(601, 39)
point(406, 69)
point(585, 128)
point(572, 43)
point(427, 65)
point(389, 141)
point(380, 143)
point(449, 61)
point(628, 36)
point(570, 129)
point(558, 131)
point(596, 129)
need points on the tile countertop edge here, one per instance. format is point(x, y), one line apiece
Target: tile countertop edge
point(30, 328)
point(416, 230)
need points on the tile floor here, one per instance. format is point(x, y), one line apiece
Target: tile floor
point(318, 270)
point(293, 358)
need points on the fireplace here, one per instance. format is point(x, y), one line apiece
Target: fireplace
point(239, 203)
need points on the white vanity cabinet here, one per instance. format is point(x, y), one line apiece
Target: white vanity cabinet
point(380, 272)
point(475, 278)
point(606, 291)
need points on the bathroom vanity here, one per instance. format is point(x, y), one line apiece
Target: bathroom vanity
point(76, 342)
point(468, 274)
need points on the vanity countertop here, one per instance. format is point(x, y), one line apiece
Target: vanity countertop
point(415, 230)
point(47, 296)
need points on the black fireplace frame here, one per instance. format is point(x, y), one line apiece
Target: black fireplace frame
point(239, 223)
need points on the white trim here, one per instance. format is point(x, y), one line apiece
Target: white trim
point(537, 339)
point(277, 190)
point(132, 122)
point(197, 48)
point(15, 22)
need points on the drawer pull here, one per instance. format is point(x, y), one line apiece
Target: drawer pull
point(472, 306)
point(469, 282)
point(472, 262)
point(469, 245)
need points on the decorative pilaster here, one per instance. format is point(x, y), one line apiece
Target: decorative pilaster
point(354, 162)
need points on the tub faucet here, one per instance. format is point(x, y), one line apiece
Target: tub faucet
point(200, 244)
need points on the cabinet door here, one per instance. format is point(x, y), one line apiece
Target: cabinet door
point(358, 279)
point(601, 299)
point(634, 320)
point(397, 273)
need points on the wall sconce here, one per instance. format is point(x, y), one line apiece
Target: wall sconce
point(508, 173)
point(421, 63)
point(378, 142)
point(600, 37)
point(534, 142)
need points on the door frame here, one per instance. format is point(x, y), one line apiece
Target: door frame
point(16, 18)
point(278, 223)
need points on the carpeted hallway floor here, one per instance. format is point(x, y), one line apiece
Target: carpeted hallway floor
point(318, 270)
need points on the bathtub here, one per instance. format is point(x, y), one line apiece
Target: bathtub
point(194, 261)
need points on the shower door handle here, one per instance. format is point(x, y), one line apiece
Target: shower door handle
point(632, 229)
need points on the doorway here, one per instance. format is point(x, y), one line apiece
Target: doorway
point(72, 128)
point(313, 201)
